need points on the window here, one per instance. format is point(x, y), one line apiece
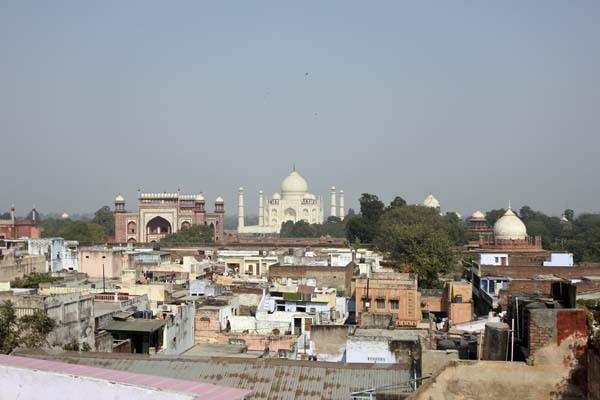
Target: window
point(395, 304)
point(380, 302)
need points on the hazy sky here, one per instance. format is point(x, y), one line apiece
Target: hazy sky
point(476, 102)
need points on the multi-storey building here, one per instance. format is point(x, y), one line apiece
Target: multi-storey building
point(160, 214)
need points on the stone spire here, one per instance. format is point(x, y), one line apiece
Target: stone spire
point(261, 208)
point(333, 212)
point(241, 208)
point(342, 213)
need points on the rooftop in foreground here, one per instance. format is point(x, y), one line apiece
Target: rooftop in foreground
point(266, 378)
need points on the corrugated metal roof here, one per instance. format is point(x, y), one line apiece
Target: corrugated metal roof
point(134, 325)
point(268, 379)
point(198, 390)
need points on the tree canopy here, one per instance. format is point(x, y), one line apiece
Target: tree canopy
point(28, 331)
point(195, 234)
point(97, 230)
point(333, 227)
point(417, 237)
point(363, 227)
point(106, 219)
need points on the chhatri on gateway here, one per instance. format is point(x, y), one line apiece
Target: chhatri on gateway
point(294, 203)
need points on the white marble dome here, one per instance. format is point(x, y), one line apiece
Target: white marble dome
point(199, 197)
point(478, 215)
point(219, 200)
point(294, 183)
point(64, 216)
point(276, 196)
point(510, 227)
point(119, 199)
point(431, 202)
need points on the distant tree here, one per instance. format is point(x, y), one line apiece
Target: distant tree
point(494, 215)
point(333, 219)
point(418, 237)
point(82, 231)
point(364, 226)
point(569, 214)
point(9, 334)
point(455, 228)
point(5, 215)
point(350, 213)
point(35, 328)
point(397, 202)
point(106, 219)
point(33, 280)
point(28, 331)
point(196, 234)
point(370, 206)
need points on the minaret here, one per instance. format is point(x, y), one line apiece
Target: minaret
point(12, 215)
point(333, 212)
point(241, 208)
point(342, 210)
point(261, 208)
point(34, 215)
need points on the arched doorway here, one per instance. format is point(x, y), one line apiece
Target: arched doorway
point(289, 215)
point(132, 228)
point(185, 225)
point(157, 226)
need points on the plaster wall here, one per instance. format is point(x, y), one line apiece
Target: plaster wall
point(26, 384)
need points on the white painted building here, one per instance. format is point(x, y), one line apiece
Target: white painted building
point(60, 254)
point(178, 335)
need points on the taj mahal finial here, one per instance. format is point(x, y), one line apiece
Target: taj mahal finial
point(509, 205)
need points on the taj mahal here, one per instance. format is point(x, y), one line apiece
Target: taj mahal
point(294, 203)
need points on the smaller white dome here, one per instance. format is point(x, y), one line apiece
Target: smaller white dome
point(307, 196)
point(478, 215)
point(510, 227)
point(199, 197)
point(65, 216)
point(119, 198)
point(219, 200)
point(431, 202)
point(276, 196)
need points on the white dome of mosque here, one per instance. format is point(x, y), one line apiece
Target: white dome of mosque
point(276, 196)
point(478, 215)
point(199, 197)
point(219, 200)
point(119, 199)
point(431, 202)
point(65, 216)
point(308, 196)
point(294, 182)
point(510, 227)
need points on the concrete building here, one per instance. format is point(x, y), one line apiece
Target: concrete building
point(160, 214)
point(103, 261)
point(251, 265)
point(179, 329)
point(73, 314)
point(389, 293)
point(60, 254)
point(339, 278)
point(15, 263)
point(294, 203)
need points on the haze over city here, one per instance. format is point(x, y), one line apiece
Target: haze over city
point(477, 104)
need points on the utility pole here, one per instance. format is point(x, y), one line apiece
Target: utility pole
point(103, 280)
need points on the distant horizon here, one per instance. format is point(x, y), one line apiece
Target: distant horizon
point(477, 103)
